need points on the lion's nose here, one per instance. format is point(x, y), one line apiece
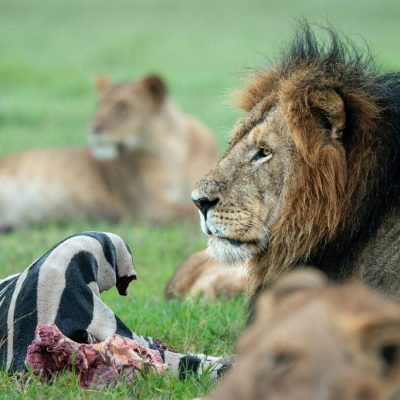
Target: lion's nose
point(204, 203)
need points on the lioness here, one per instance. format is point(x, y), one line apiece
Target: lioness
point(143, 159)
point(311, 175)
point(199, 275)
point(311, 341)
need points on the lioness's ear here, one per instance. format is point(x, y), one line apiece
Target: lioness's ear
point(304, 279)
point(329, 112)
point(381, 340)
point(156, 87)
point(103, 83)
point(294, 282)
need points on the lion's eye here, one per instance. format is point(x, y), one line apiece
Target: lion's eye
point(262, 154)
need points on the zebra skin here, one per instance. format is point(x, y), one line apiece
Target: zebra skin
point(63, 287)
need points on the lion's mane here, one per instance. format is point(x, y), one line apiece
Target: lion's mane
point(338, 196)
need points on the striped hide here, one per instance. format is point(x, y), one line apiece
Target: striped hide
point(63, 287)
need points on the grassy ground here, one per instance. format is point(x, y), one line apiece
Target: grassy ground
point(51, 52)
point(195, 325)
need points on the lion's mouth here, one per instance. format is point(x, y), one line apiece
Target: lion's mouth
point(236, 242)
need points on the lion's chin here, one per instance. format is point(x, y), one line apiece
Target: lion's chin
point(226, 251)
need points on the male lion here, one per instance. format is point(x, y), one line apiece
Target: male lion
point(312, 341)
point(144, 158)
point(311, 175)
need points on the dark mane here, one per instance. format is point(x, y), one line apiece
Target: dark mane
point(336, 55)
point(354, 69)
point(350, 65)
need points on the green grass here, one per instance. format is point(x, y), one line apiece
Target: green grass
point(193, 325)
point(149, 387)
point(50, 54)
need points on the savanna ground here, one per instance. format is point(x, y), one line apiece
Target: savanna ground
point(50, 54)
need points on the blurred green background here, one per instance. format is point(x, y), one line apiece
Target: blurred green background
point(50, 54)
point(52, 50)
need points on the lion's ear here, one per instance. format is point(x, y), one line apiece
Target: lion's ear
point(103, 83)
point(329, 112)
point(156, 87)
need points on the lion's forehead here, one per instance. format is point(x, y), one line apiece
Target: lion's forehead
point(260, 130)
point(260, 112)
point(264, 135)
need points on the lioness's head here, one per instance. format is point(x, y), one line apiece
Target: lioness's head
point(300, 162)
point(126, 115)
point(314, 341)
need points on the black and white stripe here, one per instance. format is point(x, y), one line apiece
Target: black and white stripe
point(63, 286)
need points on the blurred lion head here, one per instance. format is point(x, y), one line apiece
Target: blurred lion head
point(314, 341)
point(128, 116)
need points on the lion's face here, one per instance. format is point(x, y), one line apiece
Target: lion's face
point(280, 189)
point(125, 116)
point(242, 197)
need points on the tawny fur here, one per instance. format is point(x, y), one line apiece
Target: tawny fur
point(311, 175)
point(313, 341)
point(145, 155)
point(199, 275)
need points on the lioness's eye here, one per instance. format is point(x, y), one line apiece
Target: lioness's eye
point(121, 108)
point(262, 153)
